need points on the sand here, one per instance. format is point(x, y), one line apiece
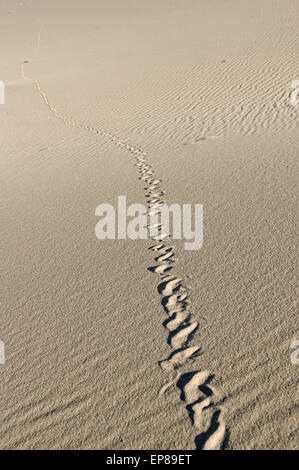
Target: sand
point(100, 351)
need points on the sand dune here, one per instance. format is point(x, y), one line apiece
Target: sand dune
point(123, 344)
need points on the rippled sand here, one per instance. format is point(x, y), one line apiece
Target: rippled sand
point(117, 344)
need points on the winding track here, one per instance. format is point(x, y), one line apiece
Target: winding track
point(201, 399)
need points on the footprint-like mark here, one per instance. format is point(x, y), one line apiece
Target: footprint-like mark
point(169, 256)
point(179, 357)
point(169, 285)
point(175, 302)
point(183, 335)
point(201, 402)
point(176, 319)
point(162, 269)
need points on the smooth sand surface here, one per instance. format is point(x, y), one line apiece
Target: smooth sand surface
point(98, 95)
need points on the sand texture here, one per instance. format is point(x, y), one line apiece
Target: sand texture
point(123, 344)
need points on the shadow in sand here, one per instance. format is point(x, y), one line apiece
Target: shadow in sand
point(202, 438)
